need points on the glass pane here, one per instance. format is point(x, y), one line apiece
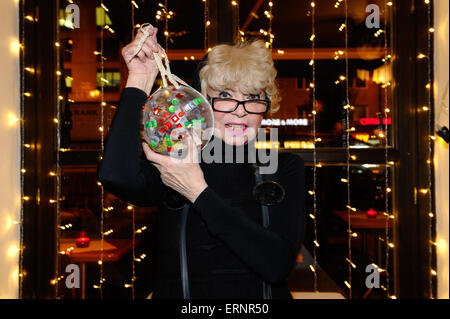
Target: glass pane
point(295, 122)
point(369, 228)
point(80, 242)
point(368, 74)
point(80, 214)
point(366, 85)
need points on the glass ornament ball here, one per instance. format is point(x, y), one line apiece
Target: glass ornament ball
point(170, 114)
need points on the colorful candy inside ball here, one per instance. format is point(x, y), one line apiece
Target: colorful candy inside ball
point(170, 114)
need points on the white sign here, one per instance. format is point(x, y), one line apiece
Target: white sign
point(287, 122)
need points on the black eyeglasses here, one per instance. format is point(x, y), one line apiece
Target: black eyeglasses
point(229, 105)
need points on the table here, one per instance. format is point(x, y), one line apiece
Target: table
point(316, 295)
point(360, 221)
point(113, 250)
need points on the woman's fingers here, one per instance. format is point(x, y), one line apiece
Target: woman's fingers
point(148, 52)
point(197, 139)
point(153, 36)
point(144, 53)
point(142, 57)
point(152, 45)
point(145, 148)
point(140, 34)
point(153, 156)
point(151, 42)
point(191, 151)
point(128, 50)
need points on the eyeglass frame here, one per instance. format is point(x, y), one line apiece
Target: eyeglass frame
point(238, 102)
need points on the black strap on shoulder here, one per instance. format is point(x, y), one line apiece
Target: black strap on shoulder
point(267, 289)
point(183, 255)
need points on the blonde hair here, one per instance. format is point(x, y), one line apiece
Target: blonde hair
point(248, 65)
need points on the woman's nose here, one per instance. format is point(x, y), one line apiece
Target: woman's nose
point(240, 111)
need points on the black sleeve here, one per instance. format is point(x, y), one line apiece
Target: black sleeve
point(124, 170)
point(269, 252)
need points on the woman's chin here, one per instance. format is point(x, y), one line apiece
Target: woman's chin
point(235, 140)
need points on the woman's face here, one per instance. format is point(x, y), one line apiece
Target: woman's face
point(237, 127)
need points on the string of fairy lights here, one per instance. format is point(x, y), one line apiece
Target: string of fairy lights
point(387, 189)
point(315, 140)
point(237, 32)
point(267, 34)
point(207, 23)
point(102, 191)
point(429, 89)
point(59, 100)
point(389, 216)
point(23, 149)
point(347, 108)
point(344, 78)
point(130, 284)
point(133, 223)
point(269, 15)
point(56, 172)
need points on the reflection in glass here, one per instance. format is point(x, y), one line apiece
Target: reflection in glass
point(81, 204)
point(368, 224)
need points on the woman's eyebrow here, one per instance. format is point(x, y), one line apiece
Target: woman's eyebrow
point(254, 94)
point(223, 90)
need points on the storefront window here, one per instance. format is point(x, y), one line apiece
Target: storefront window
point(367, 94)
point(339, 113)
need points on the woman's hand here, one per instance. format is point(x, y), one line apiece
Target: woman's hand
point(183, 175)
point(142, 69)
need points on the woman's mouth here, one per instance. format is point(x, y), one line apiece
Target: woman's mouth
point(236, 128)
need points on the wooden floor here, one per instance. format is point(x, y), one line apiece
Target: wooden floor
point(306, 295)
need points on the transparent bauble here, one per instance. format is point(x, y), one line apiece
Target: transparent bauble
point(171, 114)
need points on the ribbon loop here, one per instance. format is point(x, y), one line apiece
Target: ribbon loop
point(166, 74)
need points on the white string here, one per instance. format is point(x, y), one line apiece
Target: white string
point(165, 71)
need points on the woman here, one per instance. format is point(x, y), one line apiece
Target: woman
point(230, 254)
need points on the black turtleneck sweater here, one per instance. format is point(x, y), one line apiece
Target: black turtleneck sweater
point(229, 252)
